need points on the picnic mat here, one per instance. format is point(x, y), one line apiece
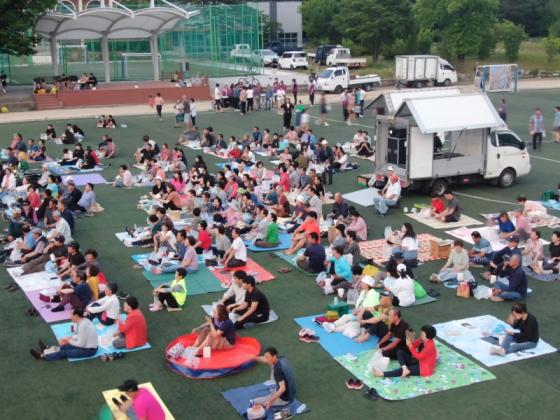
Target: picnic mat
point(81, 180)
point(375, 249)
point(546, 220)
point(291, 259)
point(35, 281)
point(452, 371)
point(65, 170)
point(490, 233)
point(240, 400)
point(199, 283)
point(548, 278)
point(467, 335)
point(125, 238)
point(551, 204)
point(335, 344)
point(424, 300)
point(251, 268)
point(285, 243)
point(362, 197)
point(272, 316)
point(438, 224)
point(104, 336)
point(45, 308)
point(119, 415)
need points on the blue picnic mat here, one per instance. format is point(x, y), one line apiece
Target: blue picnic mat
point(104, 334)
point(291, 259)
point(548, 278)
point(285, 243)
point(335, 344)
point(551, 204)
point(240, 400)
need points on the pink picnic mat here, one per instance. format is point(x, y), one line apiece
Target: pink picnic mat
point(376, 249)
point(44, 311)
point(252, 269)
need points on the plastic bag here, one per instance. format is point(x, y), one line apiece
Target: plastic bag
point(321, 277)
point(482, 292)
point(352, 296)
point(378, 362)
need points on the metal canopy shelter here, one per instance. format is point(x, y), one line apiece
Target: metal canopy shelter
point(116, 22)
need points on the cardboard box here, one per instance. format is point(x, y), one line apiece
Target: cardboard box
point(440, 249)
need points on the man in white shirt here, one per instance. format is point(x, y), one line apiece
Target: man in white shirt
point(83, 343)
point(235, 295)
point(250, 98)
point(61, 227)
point(109, 304)
point(390, 196)
point(236, 256)
point(217, 98)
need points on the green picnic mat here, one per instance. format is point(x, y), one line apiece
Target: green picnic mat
point(198, 283)
point(453, 371)
point(424, 300)
point(291, 259)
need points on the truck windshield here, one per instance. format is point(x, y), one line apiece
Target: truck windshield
point(325, 74)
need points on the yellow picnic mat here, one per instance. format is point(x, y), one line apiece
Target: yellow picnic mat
point(115, 393)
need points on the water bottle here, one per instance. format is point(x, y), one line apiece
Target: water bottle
point(335, 300)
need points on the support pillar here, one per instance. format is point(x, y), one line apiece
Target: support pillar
point(155, 60)
point(105, 54)
point(54, 56)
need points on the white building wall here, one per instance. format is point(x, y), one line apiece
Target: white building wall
point(288, 14)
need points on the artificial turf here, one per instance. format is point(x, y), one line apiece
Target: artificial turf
point(34, 390)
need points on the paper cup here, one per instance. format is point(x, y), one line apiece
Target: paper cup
point(207, 352)
point(493, 279)
point(405, 209)
point(460, 276)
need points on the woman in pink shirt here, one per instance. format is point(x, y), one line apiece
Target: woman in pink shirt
point(158, 102)
point(284, 179)
point(165, 153)
point(178, 182)
point(523, 226)
point(141, 403)
point(357, 224)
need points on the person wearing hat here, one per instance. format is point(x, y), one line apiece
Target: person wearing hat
point(390, 195)
point(500, 258)
point(512, 281)
point(29, 213)
point(397, 257)
point(15, 225)
point(457, 262)
point(133, 331)
point(325, 157)
point(139, 403)
point(402, 288)
point(107, 308)
point(349, 324)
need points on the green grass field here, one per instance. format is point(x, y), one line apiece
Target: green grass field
point(63, 390)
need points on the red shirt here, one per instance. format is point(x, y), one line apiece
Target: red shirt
point(427, 357)
point(135, 329)
point(34, 200)
point(204, 239)
point(285, 181)
point(311, 225)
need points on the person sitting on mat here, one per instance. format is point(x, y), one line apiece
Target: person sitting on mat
point(313, 258)
point(402, 288)
point(271, 238)
point(78, 296)
point(528, 336)
point(481, 252)
point(390, 197)
point(139, 403)
point(301, 234)
point(133, 332)
point(512, 281)
point(522, 225)
point(452, 212)
point(533, 252)
point(106, 309)
point(255, 309)
point(419, 360)
point(503, 255)
point(395, 339)
point(339, 271)
point(375, 320)
point(218, 332)
point(235, 294)
point(173, 295)
point(283, 377)
point(552, 264)
point(506, 228)
point(456, 267)
point(83, 342)
point(236, 256)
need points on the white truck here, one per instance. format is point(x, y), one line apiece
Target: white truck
point(336, 79)
point(241, 51)
point(342, 57)
point(435, 142)
point(422, 70)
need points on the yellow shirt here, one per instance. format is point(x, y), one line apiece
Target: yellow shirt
point(93, 283)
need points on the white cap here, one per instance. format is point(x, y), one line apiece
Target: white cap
point(401, 267)
point(390, 168)
point(368, 280)
point(324, 142)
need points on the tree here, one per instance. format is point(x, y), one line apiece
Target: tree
point(18, 18)
point(551, 47)
point(319, 20)
point(511, 35)
point(374, 24)
point(535, 15)
point(464, 27)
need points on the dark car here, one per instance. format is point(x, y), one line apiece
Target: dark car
point(280, 47)
point(322, 52)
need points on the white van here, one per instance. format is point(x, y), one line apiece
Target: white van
point(293, 60)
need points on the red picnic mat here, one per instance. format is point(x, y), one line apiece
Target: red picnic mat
point(376, 249)
point(252, 269)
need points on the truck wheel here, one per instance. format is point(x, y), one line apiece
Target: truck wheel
point(292, 67)
point(419, 84)
point(506, 178)
point(446, 82)
point(438, 187)
point(368, 87)
point(338, 89)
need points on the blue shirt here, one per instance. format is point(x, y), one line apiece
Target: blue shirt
point(342, 268)
point(483, 246)
point(87, 200)
point(83, 292)
point(505, 227)
point(517, 281)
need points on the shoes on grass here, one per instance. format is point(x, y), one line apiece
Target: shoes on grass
point(354, 384)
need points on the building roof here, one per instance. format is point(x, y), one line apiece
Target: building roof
point(451, 113)
point(393, 100)
point(116, 23)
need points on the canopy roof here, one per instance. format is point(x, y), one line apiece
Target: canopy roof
point(116, 23)
point(451, 113)
point(393, 100)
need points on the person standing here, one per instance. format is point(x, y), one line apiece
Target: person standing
point(344, 104)
point(361, 101)
point(556, 124)
point(186, 112)
point(294, 90)
point(243, 100)
point(287, 108)
point(536, 127)
point(158, 102)
point(250, 98)
point(311, 88)
point(502, 110)
point(193, 112)
point(217, 98)
point(324, 108)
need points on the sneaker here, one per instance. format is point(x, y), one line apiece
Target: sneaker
point(350, 383)
point(309, 339)
point(371, 394)
point(36, 355)
point(170, 309)
point(42, 345)
point(57, 309)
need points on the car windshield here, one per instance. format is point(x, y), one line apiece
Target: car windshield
point(326, 74)
point(299, 55)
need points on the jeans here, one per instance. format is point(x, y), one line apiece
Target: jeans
point(504, 293)
point(379, 329)
point(382, 204)
point(69, 351)
point(537, 139)
point(405, 359)
point(511, 346)
point(172, 266)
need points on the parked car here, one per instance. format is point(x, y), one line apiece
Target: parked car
point(241, 51)
point(266, 57)
point(322, 52)
point(293, 60)
point(279, 47)
point(336, 79)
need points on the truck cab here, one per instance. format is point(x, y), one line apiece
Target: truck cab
point(447, 74)
point(241, 51)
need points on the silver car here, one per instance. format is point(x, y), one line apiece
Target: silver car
point(266, 57)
